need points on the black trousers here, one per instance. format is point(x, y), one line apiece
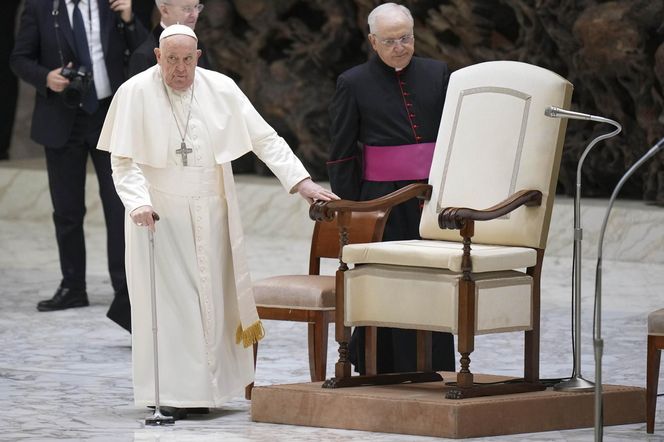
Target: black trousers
point(66, 168)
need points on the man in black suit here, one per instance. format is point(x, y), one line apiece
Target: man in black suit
point(184, 12)
point(86, 36)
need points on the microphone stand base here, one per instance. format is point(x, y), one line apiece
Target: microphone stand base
point(575, 384)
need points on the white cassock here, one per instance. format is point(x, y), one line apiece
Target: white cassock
point(204, 298)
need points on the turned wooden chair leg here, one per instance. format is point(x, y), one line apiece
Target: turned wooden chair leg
point(248, 388)
point(655, 345)
point(318, 348)
point(466, 338)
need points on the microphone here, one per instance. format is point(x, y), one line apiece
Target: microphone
point(577, 382)
point(556, 112)
point(598, 342)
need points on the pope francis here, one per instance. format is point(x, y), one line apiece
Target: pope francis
point(172, 132)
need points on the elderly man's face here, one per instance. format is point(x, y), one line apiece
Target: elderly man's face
point(393, 40)
point(177, 55)
point(184, 12)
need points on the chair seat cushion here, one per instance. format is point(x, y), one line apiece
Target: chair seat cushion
point(440, 255)
point(656, 322)
point(313, 292)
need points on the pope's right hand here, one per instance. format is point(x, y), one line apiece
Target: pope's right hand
point(144, 216)
point(55, 81)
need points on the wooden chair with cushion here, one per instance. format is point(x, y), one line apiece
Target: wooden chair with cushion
point(655, 346)
point(484, 229)
point(311, 298)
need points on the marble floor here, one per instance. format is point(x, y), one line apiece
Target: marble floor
point(66, 375)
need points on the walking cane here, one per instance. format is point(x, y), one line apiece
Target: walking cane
point(157, 418)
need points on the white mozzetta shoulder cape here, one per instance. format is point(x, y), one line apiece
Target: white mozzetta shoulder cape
point(134, 126)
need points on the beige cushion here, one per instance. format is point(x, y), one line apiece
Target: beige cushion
point(428, 299)
point(311, 292)
point(493, 141)
point(656, 322)
point(439, 254)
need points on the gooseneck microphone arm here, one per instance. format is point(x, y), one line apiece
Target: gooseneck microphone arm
point(576, 381)
point(597, 331)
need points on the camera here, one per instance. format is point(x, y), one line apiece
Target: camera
point(79, 83)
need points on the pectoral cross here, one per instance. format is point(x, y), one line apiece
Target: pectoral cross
point(183, 151)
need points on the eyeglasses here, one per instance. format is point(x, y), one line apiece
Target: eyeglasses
point(188, 60)
point(189, 9)
point(392, 42)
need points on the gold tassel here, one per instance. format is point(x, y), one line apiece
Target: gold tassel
point(254, 333)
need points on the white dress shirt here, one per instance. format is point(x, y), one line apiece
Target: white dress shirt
point(90, 12)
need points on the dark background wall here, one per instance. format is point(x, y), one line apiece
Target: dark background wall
point(286, 55)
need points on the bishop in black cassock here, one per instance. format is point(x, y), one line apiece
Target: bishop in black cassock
point(379, 106)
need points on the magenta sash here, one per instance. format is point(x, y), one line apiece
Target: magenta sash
point(398, 163)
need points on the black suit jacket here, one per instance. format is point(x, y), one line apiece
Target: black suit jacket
point(143, 57)
point(36, 54)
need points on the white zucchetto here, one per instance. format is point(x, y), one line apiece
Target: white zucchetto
point(177, 29)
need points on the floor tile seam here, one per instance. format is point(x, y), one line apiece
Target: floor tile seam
point(4, 369)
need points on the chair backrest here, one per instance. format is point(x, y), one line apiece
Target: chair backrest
point(364, 227)
point(493, 141)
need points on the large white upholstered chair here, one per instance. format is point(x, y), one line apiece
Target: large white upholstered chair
point(484, 228)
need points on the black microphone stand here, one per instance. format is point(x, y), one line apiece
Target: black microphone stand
point(597, 330)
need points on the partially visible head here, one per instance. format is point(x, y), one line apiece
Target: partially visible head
point(184, 12)
point(178, 55)
point(391, 34)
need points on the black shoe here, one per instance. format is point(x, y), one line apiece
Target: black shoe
point(64, 298)
point(176, 413)
point(198, 410)
point(120, 310)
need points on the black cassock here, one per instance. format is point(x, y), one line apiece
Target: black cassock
point(377, 106)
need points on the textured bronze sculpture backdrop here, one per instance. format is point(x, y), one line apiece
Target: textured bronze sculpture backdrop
point(286, 55)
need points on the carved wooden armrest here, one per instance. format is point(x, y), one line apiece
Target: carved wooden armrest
point(326, 210)
point(457, 217)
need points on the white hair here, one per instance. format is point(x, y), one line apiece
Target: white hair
point(387, 9)
point(159, 2)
